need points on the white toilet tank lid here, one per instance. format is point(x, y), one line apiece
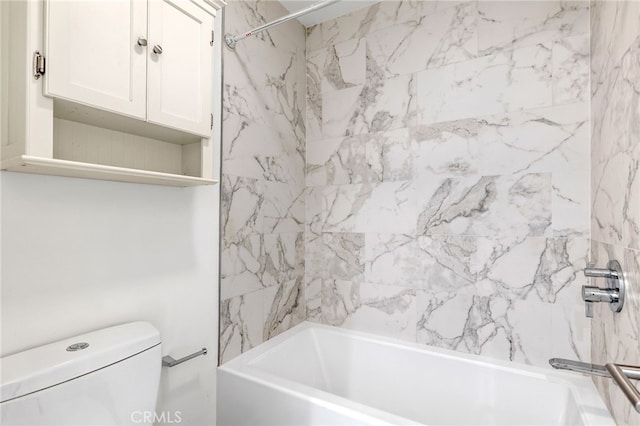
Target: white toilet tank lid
point(48, 365)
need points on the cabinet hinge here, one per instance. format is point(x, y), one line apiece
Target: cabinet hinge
point(212, 37)
point(38, 65)
point(211, 121)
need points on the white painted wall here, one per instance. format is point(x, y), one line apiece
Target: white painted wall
point(79, 255)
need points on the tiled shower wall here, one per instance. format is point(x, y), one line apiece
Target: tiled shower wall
point(615, 183)
point(262, 263)
point(447, 180)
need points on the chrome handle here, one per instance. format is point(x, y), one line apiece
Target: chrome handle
point(621, 375)
point(613, 294)
point(596, 294)
point(157, 49)
point(142, 42)
point(600, 273)
point(169, 361)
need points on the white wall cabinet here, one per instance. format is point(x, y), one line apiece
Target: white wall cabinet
point(93, 57)
point(129, 92)
point(146, 59)
point(179, 78)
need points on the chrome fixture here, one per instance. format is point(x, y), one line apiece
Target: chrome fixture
point(620, 374)
point(579, 367)
point(169, 361)
point(142, 42)
point(613, 294)
point(157, 49)
point(231, 40)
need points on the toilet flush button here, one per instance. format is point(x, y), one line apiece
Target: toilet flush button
point(78, 346)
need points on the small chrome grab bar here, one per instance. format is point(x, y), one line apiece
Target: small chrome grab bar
point(169, 361)
point(620, 375)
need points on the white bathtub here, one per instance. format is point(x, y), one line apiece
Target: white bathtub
point(319, 375)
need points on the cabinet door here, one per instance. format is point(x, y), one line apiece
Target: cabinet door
point(93, 56)
point(179, 78)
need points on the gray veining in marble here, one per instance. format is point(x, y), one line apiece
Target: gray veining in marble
point(263, 171)
point(615, 185)
point(449, 189)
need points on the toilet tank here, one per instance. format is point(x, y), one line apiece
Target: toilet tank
point(111, 381)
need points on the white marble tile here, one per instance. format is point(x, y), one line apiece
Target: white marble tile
point(538, 140)
point(344, 65)
point(367, 307)
point(390, 156)
point(570, 328)
point(284, 258)
point(283, 307)
point(484, 325)
point(507, 25)
point(263, 172)
point(614, 27)
point(391, 259)
point(571, 70)
point(609, 181)
point(283, 208)
point(439, 262)
point(313, 38)
point(272, 95)
point(615, 154)
point(445, 37)
point(376, 157)
point(339, 161)
point(342, 206)
point(259, 261)
point(378, 106)
point(367, 207)
point(313, 104)
point(313, 299)
point(390, 206)
point(347, 27)
point(241, 266)
point(446, 149)
point(570, 203)
point(380, 15)
point(335, 256)
point(241, 323)
point(532, 269)
point(241, 207)
point(240, 135)
point(507, 205)
point(507, 81)
point(549, 140)
point(315, 215)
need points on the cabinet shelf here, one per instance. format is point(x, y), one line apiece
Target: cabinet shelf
point(52, 166)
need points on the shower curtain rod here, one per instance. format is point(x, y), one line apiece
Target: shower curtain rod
point(231, 40)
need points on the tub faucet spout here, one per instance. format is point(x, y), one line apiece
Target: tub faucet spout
point(620, 374)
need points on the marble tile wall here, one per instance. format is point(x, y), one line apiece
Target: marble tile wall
point(447, 175)
point(615, 184)
point(263, 144)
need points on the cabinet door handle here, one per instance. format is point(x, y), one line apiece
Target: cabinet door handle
point(157, 49)
point(142, 42)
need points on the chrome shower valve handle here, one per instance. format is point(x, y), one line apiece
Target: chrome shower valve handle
point(612, 294)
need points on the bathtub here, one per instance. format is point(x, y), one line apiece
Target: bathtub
point(321, 375)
